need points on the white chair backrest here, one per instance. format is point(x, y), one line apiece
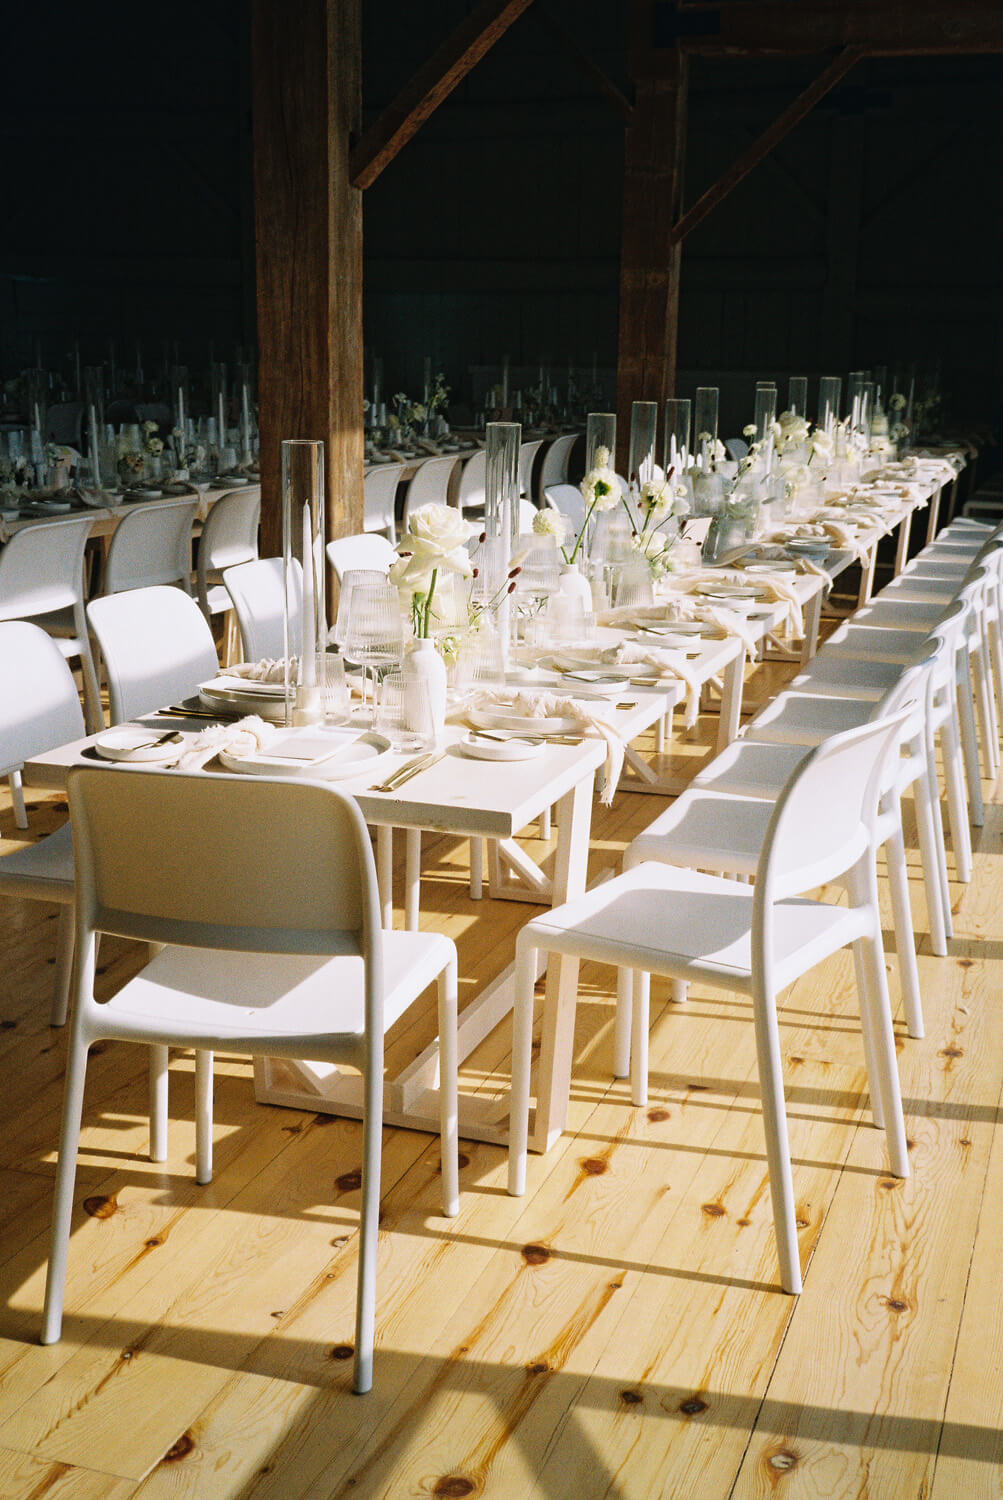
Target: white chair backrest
point(824, 819)
point(39, 706)
point(156, 646)
point(737, 448)
point(242, 863)
point(527, 458)
point(379, 499)
point(527, 514)
point(42, 568)
point(349, 554)
point(258, 591)
point(151, 545)
point(430, 485)
point(472, 480)
point(229, 536)
point(569, 500)
point(554, 467)
point(64, 423)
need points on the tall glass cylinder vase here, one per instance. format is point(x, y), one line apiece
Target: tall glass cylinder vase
point(501, 509)
point(93, 399)
point(764, 418)
point(303, 539)
point(677, 436)
point(797, 395)
point(643, 442)
point(705, 425)
point(829, 392)
point(600, 433)
point(218, 412)
point(36, 390)
point(181, 408)
point(245, 454)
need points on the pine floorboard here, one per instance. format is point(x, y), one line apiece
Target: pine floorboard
point(618, 1332)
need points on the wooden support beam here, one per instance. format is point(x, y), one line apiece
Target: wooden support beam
point(777, 28)
point(654, 155)
point(576, 52)
point(802, 105)
point(307, 102)
point(434, 81)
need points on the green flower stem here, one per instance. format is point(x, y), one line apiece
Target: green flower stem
point(630, 518)
point(428, 601)
point(578, 541)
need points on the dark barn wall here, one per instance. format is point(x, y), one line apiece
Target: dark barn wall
point(870, 235)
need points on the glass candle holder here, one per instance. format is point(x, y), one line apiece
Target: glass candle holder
point(765, 416)
point(677, 435)
point(305, 616)
point(501, 502)
point(245, 452)
point(705, 424)
point(829, 393)
point(600, 432)
point(182, 411)
point(797, 395)
point(643, 441)
point(218, 373)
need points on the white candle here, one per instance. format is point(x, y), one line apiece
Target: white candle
point(95, 450)
point(245, 425)
point(308, 662)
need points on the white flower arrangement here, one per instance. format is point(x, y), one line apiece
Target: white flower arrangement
point(898, 402)
point(660, 498)
point(550, 522)
point(154, 446)
point(434, 543)
point(749, 430)
point(657, 550)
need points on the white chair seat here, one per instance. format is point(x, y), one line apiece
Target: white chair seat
point(665, 920)
point(753, 768)
point(708, 831)
point(900, 614)
point(846, 679)
point(803, 718)
point(218, 598)
point(248, 1000)
point(866, 641)
point(42, 871)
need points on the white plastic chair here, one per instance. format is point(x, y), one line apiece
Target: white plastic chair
point(655, 919)
point(554, 465)
point(152, 545)
point(719, 823)
point(737, 448)
point(39, 709)
point(269, 910)
point(42, 579)
point(379, 500)
point(569, 500)
point(430, 485)
point(360, 553)
point(229, 537)
point(527, 460)
point(157, 648)
point(258, 592)
point(470, 495)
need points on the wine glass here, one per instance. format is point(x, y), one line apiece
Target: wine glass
point(374, 632)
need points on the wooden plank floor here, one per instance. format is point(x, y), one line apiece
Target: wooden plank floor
point(618, 1333)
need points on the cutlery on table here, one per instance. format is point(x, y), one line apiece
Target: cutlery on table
point(507, 736)
point(405, 773)
point(172, 737)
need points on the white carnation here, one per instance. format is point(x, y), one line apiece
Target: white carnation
point(550, 522)
point(601, 488)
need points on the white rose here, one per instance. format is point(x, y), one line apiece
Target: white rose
point(436, 538)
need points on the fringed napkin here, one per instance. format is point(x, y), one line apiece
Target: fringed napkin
point(242, 738)
point(660, 661)
point(593, 717)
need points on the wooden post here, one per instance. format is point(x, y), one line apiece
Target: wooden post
point(654, 156)
point(308, 226)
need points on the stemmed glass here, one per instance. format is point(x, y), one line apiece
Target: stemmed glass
point(374, 629)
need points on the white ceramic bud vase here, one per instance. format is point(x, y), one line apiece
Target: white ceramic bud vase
point(424, 673)
point(575, 587)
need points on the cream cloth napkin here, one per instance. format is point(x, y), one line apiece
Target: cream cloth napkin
point(268, 670)
point(660, 661)
point(242, 738)
point(593, 717)
point(780, 590)
point(684, 607)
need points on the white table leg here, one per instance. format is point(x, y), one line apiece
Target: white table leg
point(932, 518)
point(731, 701)
point(557, 1042)
point(476, 869)
point(385, 873)
point(812, 620)
point(902, 550)
point(412, 878)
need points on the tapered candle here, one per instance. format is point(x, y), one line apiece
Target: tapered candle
point(308, 666)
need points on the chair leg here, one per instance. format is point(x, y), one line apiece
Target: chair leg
point(957, 810)
point(639, 1048)
point(863, 889)
point(931, 847)
point(93, 712)
point(159, 1059)
point(369, 1221)
point(622, 1022)
point(203, 1116)
point(905, 942)
point(66, 1172)
point(64, 967)
point(988, 729)
point(546, 824)
point(522, 1051)
point(17, 799)
point(778, 1152)
point(867, 1038)
point(448, 1104)
point(385, 873)
point(970, 743)
point(680, 990)
point(412, 878)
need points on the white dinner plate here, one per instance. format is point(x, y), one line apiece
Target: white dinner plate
point(729, 591)
point(480, 749)
point(780, 565)
point(498, 718)
point(266, 707)
point(132, 743)
point(356, 756)
point(229, 480)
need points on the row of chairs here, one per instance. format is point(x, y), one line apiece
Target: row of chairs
point(806, 797)
point(433, 483)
